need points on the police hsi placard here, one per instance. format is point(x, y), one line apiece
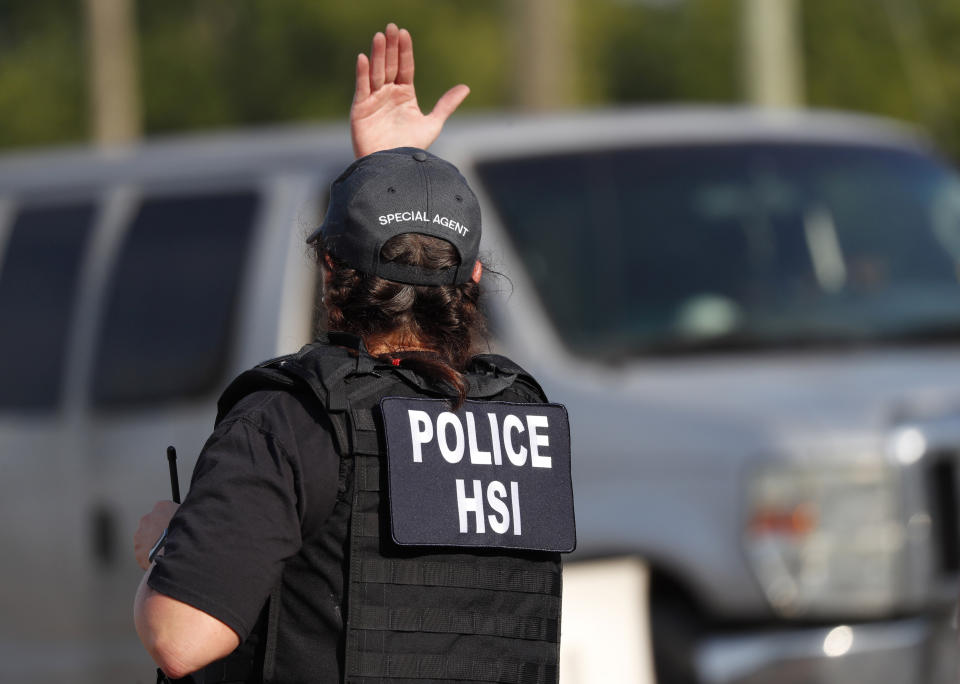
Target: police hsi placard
point(491, 474)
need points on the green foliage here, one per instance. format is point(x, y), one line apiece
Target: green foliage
point(42, 88)
point(226, 63)
point(683, 51)
point(899, 58)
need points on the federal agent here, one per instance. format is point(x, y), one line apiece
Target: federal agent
point(384, 505)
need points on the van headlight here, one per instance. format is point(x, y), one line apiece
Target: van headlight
point(825, 539)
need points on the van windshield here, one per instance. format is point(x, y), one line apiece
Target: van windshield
point(686, 248)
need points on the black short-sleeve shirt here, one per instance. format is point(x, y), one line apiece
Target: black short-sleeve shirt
point(266, 487)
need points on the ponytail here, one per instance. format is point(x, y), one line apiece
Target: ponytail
point(443, 322)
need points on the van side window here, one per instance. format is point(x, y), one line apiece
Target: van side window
point(172, 299)
point(38, 278)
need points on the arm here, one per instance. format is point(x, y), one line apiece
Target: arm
point(385, 113)
point(179, 638)
point(227, 543)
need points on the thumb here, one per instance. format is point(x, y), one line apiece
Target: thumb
point(448, 103)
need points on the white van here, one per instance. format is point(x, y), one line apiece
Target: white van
point(752, 319)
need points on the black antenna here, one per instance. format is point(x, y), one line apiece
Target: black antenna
point(174, 480)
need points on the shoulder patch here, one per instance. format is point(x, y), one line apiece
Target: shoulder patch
point(492, 474)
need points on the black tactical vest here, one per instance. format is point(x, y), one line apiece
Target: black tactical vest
point(413, 614)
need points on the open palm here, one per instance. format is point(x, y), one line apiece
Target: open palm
point(385, 113)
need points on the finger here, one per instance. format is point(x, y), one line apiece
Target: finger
point(448, 103)
point(362, 91)
point(390, 70)
point(404, 57)
point(377, 60)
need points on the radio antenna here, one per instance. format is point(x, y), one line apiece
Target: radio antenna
point(174, 479)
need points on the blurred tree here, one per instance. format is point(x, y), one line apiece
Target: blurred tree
point(899, 58)
point(42, 76)
point(237, 62)
point(660, 51)
point(216, 63)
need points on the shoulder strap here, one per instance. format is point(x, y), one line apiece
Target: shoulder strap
point(339, 376)
point(248, 382)
point(491, 374)
point(322, 370)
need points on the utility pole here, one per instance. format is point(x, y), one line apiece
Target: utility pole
point(112, 57)
point(545, 65)
point(772, 53)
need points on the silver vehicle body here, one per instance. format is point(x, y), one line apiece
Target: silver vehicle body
point(672, 452)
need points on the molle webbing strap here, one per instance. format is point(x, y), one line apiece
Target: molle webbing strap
point(456, 622)
point(365, 434)
point(368, 524)
point(450, 668)
point(368, 476)
point(341, 431)
point(461, 574)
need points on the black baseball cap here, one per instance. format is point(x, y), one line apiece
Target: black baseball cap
point(392, 192)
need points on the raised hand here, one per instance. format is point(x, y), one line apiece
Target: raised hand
point(385, 113)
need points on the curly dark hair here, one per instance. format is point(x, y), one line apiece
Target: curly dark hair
point(445, 319)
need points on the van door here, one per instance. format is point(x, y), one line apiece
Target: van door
point(164, 344)
point(43, 255)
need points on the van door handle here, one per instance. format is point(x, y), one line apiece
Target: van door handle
point(103, 535)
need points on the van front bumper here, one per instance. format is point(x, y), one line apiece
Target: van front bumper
point(908, 651)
